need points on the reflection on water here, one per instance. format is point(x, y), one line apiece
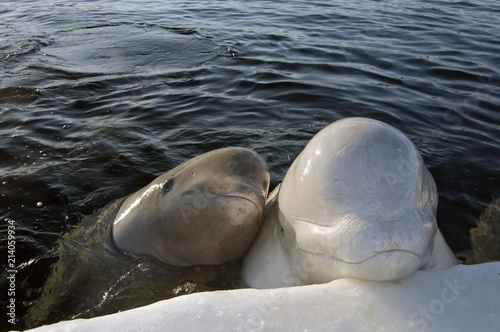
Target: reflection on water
point(97, 98)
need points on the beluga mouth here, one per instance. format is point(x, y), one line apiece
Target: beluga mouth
point(386, 253)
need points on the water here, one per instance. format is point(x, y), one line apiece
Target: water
point(99, 97)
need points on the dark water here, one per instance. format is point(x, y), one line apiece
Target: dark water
point(99, 97)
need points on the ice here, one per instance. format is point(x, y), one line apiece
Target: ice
point(462, 298)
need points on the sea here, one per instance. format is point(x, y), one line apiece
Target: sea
point(99, 97)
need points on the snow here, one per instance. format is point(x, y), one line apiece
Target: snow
point(461, 298)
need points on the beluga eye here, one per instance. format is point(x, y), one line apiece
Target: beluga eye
point(168, 185)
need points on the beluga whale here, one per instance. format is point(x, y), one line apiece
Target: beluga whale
point(184, 232)
point(206, 211)
point(357, 202)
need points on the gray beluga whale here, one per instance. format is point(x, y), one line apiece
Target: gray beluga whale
point(195, 218)
point(357, 202)
point(206, 211)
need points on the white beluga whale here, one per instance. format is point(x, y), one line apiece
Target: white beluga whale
point(206, 211)
point(357, 202)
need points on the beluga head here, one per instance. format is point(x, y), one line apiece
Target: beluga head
point(206, 211)
point(357, 202)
